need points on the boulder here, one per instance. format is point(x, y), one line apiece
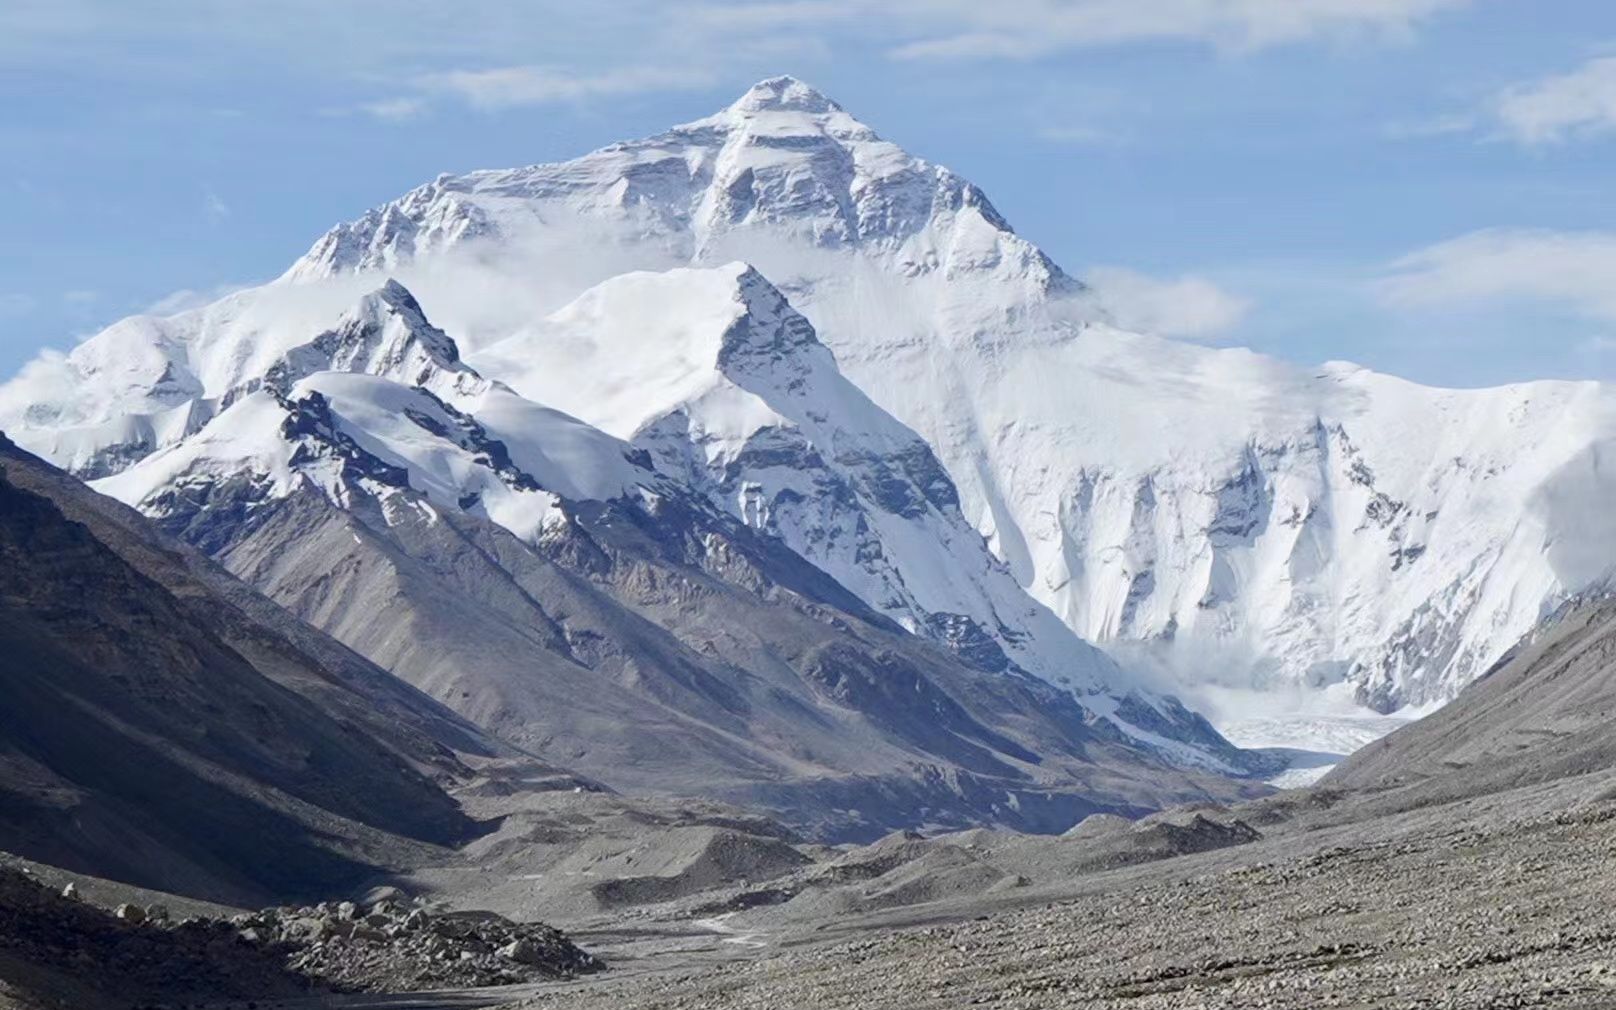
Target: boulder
point(523, 951)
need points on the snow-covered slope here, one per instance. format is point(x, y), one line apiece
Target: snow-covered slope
point(549, 582)
point(388, 384)
point(1224, 517)
point(726, 385)
point(737, 401)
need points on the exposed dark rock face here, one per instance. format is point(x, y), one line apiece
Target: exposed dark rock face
point(1544, 712)
point(55, 951)
point(165, 726)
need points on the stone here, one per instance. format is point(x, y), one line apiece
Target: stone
point(302, 929)
point(522, 951)
point(337, 927)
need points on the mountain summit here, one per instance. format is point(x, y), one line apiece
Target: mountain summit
point(782, 164)
point(783, 94)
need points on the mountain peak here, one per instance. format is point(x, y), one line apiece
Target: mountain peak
point(768, 325)
point(783, 94)
point(389, 300)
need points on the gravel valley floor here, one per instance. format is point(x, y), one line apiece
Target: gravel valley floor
point(1504, 902)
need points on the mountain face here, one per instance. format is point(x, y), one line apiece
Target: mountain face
point(555, 586)
point(167, 726)
point(729, 391)
point(896, 385)
point(1245, 522)
point(1544, 713)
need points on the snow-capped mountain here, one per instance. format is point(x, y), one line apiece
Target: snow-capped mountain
point(730, 391)
point(547, 581)
point(1224, 517)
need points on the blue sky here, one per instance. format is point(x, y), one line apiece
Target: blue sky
point(1423, 186)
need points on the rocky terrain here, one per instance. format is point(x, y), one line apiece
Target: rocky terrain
point(1505, 904)
point(1543, 713)
point(161, 731)
point(57, 949)
point(395, 946)
point(61, 951)
point(1467, 860)
point(1431, 881)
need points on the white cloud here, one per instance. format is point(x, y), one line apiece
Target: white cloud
point(765, 16)
point(395, 110)
point(187, 299)
point(214, 208)
point(1576, 270)
point(518, 52)
point(1077, 136)
point(1187, 307)
point(1435, 126)
point(1581, 103)
point(501, 88)
point(46, 378)
point(505, 87)
point(1596, 346)
point(1027, 29)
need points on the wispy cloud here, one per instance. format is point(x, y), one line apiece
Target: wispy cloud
point(1077, 135)
point(214, 208)
point(523, 41)
point(187, 299)
point(395, 110)
point(1187, 307)
point(1028, 29)
point(1572, 270)
point(1596, 346)
point(1435, 126)
point(500, 88)
point(1581, 103)
point(506, 87)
